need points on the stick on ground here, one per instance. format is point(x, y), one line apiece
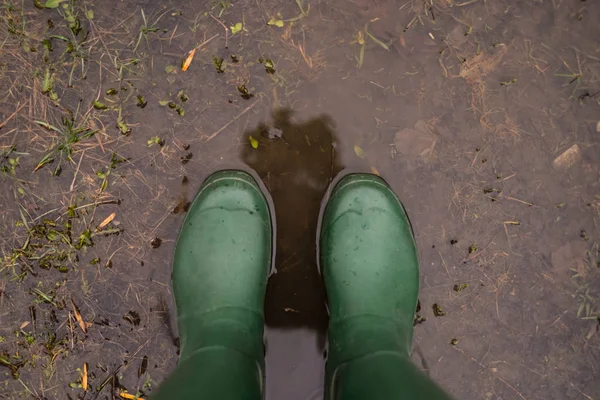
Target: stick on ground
point(212, 136)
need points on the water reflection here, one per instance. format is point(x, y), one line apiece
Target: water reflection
point(296, 161)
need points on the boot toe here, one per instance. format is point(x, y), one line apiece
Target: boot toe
point(223, 254)
point(368, 254)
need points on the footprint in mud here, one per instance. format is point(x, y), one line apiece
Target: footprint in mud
point(296, 162)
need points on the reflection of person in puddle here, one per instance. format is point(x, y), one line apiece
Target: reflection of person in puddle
point(368, 261)
point(296, 161)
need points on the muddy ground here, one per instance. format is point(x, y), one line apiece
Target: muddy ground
point(482, 115)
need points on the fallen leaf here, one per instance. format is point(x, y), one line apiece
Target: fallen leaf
point(24, 324)
point(568, 158)
point(253, 142)
point(98, 105)
point(78, 317)
point(359, 152)
point(128, 396)
point(188, 60)
point(48, 82)
point(236, 28)
point(360, 38)
point(84, 378)
point(374, 171)
point(275, 22)
point(107, 220)
point(53, 3)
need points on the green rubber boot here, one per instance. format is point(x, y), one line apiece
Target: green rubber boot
point(222, 261)
point(370, 267)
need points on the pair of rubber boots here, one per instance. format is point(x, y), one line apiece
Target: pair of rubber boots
point(370, 269)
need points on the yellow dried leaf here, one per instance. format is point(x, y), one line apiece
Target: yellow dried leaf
point(84, 378)
point(275, 22)
point(236, 28)
point(374, 171)
point(78, 317)
point(188, 60)
point(128, 396)
point(359, 152)
point(360, 38)
point(24, 324)
point(107, 220)
point(253, 142)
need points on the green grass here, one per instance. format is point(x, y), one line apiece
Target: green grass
point(68, 133)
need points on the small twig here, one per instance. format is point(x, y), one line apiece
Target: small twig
point(508, 236)
point(510, 386)
point(444, 264)
point(224, 27)
point(173, 34)
point(466, 3)
point(470, 357)
point(12, 115)
point(508, 177)
point(76, 171)
point(583, 394)
point(203, 43)
point(520, 201)
point(477, 254)
point(2, 288)
point(212, 136)
point(557, 319)
point(43, 215)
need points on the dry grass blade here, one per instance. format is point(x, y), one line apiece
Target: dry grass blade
point(125, 395)
point(78, 317)
point(107, 220)
point(224, 27)
point(214, 134)
point(12, 115)
point(84, 378)
point(188, 60)
point(191, 53)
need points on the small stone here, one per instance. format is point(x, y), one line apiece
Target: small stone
point(568, 158)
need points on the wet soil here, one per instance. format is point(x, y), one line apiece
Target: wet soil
point(465, 108)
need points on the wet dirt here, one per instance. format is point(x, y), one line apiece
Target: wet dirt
point(463, 107)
